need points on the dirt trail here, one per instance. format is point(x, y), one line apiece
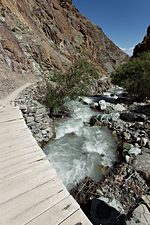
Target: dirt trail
point(9, 100)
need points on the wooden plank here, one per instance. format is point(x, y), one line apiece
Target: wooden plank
point(16, 143)
point(77, 218)
point(21, 161)
point(23, 151)
point(35, 202)
point(10, 117)
point(7, 137)
point(8, 109)
point(26, 181)
point(12, 125)
point(14, 132)
point(20, 147)
point(57, 213)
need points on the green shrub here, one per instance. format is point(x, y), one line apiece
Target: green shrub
point(73, 83)
point(135, 76)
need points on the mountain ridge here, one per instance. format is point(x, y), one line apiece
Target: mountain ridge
point(143, 46)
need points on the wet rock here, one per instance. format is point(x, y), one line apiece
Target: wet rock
point(102, 105)
point(141, 216)
point(132, 117)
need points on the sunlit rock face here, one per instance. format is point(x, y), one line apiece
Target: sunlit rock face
point(38, 35)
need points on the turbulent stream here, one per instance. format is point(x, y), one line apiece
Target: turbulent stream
point(78, 149)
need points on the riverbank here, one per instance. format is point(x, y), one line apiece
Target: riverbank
point(128, 183)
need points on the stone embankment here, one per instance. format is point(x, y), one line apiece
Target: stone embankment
point(36, 116)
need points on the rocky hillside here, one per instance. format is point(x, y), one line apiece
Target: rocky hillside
point(144, 46)
point(36, 36)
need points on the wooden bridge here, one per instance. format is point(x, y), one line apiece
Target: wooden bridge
point(30, 190)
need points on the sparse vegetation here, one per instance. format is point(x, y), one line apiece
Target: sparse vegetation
point(75, 82)
point(135, 76)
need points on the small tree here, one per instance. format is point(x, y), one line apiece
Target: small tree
point(135, 76)
point(75, 82)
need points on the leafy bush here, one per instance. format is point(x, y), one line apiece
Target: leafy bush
point(75, 82)
point(135, 76)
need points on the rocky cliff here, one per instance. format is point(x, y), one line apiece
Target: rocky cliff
point(144, 46)
point(36, 36)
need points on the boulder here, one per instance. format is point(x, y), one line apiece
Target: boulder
point(102, 213)
point(141, 216)
point(102, 105)
point(132, 117)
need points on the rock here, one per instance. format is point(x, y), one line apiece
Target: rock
point(134, 151)
point(127, 136)
point(102, 105)
point(127, 158)
point(144, 141)
point(142, 162)
point(141, 216)
point(102, 213)
point(127, 146)
point(115, 116)
point(132, 117)
point(23, 108)
point(44, 132)
point(119, 108)
point(146, 199)
point(30, 119)
point(114, 134)
point(113, 203)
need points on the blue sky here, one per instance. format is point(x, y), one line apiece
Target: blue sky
point(123, 21)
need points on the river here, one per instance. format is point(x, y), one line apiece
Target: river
point(78, 149)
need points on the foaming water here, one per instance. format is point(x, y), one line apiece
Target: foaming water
point(78, 150)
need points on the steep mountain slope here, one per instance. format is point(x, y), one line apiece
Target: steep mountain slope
point(37, 35)
point(144, 46)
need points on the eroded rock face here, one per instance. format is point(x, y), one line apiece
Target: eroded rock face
point(38, 35)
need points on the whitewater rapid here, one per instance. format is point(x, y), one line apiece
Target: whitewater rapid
point(78, 149)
